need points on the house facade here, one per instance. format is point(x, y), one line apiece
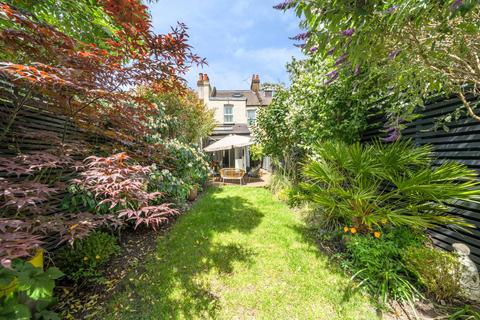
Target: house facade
point(235, 113)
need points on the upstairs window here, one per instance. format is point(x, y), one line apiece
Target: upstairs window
point(268, 93)
point(251, 117)
point(228, 113)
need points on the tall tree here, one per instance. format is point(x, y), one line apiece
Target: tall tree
point(93, 83)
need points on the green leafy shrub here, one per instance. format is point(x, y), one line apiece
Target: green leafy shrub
point(256, 152)
point(308, 111)
point(370, 186)
point(284, 189)
point(79, 200)
point(293, 195)
point(82, 261)
point(279, 185)
point(436, 270)
point(188, 169)
point(173, 188)
point(33, 292)
point(187, 162)
point(180, 115)
point(378, 264)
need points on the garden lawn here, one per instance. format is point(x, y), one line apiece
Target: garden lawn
point(238, 254)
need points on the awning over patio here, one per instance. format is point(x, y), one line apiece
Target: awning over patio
point(229, 142)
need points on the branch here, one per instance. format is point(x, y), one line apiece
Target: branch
point(18, 106)
point(468, 106)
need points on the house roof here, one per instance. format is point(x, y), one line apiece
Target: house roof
point(253, 98)
point(238, 128)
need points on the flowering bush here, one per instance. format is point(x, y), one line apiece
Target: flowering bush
point(378, 265)
point(181, 115)
point(410, 48)
point(187, 162)
point(169, 185)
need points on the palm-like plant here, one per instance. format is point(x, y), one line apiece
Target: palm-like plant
point(377, 184)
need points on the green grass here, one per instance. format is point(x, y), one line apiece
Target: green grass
point(238, 254)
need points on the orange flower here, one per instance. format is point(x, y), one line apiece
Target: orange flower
point(353, 230)
point(345, 229)
point(377, 234)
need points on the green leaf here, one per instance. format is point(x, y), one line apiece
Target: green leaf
point(12, 310)
point(47, 315)
point(37, 284)
point(6, 276)
point(54, 273)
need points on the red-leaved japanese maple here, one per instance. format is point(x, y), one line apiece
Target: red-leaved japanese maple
point(123, 186)
point(29, 182)
point(94, 85)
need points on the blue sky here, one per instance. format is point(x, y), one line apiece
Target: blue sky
point(238, 38)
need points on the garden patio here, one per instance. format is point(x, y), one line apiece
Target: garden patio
point(112, 206)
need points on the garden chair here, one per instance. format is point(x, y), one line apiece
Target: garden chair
point(232, 174)
point(255, 172)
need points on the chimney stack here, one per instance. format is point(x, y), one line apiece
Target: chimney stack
point(203, 87)
point(255, 86)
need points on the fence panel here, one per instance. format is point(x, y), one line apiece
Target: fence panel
point(36, 128)
point(460, 143)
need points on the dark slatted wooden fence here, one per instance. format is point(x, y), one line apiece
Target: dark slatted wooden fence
point(35, 128)
point(460, 143)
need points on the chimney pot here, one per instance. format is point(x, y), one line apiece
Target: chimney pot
point(255, 86)
point(200, 76)
point(205, 77)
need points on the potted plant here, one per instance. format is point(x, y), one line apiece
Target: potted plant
point(193, 193)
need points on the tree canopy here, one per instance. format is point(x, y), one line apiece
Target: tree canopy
point(419, 47)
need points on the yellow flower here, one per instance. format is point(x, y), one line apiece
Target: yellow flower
point(345, 229)
point(353, 230)
point(377, 234)
point(97, 257)
point(85, 258)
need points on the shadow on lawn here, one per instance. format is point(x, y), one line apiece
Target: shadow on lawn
point(189, 251)
point(332, 262)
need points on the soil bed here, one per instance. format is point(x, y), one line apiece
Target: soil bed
point(85, 300)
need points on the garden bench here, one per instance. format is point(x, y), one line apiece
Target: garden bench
point(232, 174)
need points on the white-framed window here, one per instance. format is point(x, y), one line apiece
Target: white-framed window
point(251, 117)
point(228, 113)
